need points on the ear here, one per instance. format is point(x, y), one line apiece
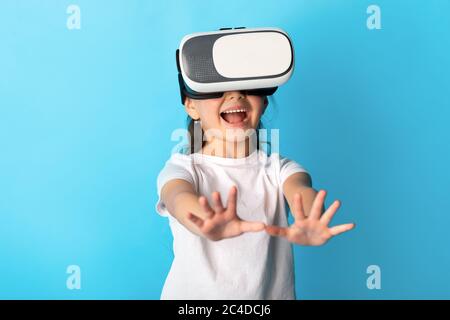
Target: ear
point(190, 108)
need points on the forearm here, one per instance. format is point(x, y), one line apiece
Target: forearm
point(308, 195)
point(300, 183)
point(180, 198)
point(183, 203)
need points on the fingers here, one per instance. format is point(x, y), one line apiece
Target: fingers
point(316, 208)
point(297, 209)
point(341, 228)
point(217, 202)
point(196, 220)
point(206, 207)
point(329, 213)
point(231, 204)
point(276, 231)
point(250, 226)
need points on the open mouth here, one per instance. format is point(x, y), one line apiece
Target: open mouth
point(234, 116)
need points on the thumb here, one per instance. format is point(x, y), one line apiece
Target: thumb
point(252, 226)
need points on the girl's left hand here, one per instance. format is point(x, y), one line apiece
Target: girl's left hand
point(312, 230)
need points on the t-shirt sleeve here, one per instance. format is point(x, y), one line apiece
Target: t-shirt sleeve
point(177, 167)
point(289, 167)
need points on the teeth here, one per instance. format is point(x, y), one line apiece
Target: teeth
point(233, 111)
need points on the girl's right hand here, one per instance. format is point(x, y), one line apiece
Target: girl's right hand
point(222, 223)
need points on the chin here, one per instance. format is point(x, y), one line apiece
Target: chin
point(238, 134)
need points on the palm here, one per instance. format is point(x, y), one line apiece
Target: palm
point(312, 230)
point(222, 222)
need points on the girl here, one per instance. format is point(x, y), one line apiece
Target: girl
point(226, 208)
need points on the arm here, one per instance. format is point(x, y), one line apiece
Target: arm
point(311, 221)
point(179, 197)
point(194, 212)
point(300, 182)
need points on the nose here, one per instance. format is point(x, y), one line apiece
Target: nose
point(234, 95)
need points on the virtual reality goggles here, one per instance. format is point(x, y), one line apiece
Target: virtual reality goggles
point(255, 61)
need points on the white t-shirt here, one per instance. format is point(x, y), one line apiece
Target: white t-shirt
point(251, 266)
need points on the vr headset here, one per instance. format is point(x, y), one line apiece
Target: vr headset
point(255, 61)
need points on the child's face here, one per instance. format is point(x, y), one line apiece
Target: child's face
point(211, 112)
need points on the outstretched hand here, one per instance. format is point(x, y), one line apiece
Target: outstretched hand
point(222, 222)
point(312, 230)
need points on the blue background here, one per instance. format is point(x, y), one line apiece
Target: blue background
point(86, 117)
